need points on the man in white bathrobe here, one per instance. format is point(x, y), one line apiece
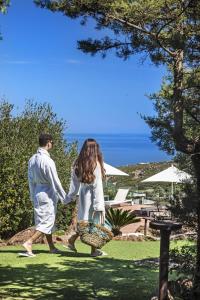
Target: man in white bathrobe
point(45, 191)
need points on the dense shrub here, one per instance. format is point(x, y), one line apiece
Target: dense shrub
point(183, 260)
point(18, 142)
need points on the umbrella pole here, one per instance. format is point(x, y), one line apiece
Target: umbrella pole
point(172, 190)
point(106, 180)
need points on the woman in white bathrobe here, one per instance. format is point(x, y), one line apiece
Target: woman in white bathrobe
point(87, 175)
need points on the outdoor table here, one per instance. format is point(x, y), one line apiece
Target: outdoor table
point(146, 219)
point(165, 228)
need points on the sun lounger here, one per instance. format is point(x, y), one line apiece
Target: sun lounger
point(120, 198)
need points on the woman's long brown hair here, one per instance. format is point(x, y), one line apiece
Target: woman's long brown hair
point(87, 160)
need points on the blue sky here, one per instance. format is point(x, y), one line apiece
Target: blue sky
point(39, 61)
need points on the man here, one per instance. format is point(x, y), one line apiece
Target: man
point(45, 191)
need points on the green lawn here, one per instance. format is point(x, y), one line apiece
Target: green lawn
point(78, 276)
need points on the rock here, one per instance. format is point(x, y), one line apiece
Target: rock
point(169, 296)
point(181, 288)
point(22, 236)
point(184, 236)
point(2, 243)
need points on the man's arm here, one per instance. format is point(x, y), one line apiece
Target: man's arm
point(30, 182)
point(52, 176)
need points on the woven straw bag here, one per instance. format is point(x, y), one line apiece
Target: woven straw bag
point(93, 234)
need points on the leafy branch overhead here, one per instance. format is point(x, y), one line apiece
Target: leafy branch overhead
point(4, 5)
point(138, 26)
point(165, 31)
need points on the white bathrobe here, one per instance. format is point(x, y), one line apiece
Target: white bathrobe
point(91, 196)
point(45, 190)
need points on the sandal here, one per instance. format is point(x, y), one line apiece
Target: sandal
point(55, 251)
point(98, 253)
point(27, 254)
point(27, 246)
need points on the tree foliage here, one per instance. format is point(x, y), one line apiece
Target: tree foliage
point(3, 8)
point(18, 142)
point(166, 31)
point(4, 5)
point(153, 27)
point(162, 124)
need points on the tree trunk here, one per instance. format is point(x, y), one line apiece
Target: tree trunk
point(182, 143)
point(178, 135)
point(186, 146)
point(196, 164)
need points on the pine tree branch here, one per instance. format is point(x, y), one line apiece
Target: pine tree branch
point(171, 20)
point(191, 115)
point(144, 31)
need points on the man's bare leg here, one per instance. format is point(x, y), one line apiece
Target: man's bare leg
point(28, 244)
point(50, 242)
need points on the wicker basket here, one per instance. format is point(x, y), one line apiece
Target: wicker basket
point(93, 234)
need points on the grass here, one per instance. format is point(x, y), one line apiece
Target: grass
point(78, 276)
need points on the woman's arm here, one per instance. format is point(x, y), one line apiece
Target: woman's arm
point(98, 190)
point(73, 189)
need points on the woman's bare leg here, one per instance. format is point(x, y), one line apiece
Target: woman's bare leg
point(28, 244)
point(50, 242)
point(73, 239)
point(93, 249)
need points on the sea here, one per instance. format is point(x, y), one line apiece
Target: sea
point(123, 149)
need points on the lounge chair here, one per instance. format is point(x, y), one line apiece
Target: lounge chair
point(120, 198)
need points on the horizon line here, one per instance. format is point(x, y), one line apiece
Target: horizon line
point(109, 133)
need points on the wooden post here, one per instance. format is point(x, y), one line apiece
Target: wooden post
point(164, 264)
point(165, 228)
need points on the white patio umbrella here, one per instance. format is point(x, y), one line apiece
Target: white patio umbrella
point(171, 174)
point(110, 170)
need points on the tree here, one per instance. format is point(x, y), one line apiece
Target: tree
point(4, 5)
point(18, 142)
point(160, 123)
point(168, 31)
point(3, 8)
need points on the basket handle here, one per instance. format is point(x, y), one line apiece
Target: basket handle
point(102, 216)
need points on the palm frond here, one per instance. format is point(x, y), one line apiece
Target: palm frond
point(118, 218)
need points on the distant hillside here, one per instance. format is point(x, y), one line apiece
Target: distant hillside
point(137, 173)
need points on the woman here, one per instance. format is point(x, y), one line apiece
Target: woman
point(87, 175)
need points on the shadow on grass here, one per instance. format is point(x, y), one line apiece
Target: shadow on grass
point(64, 253)
point(98, 278)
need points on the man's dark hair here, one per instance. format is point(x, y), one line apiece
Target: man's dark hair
point(44, 138)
